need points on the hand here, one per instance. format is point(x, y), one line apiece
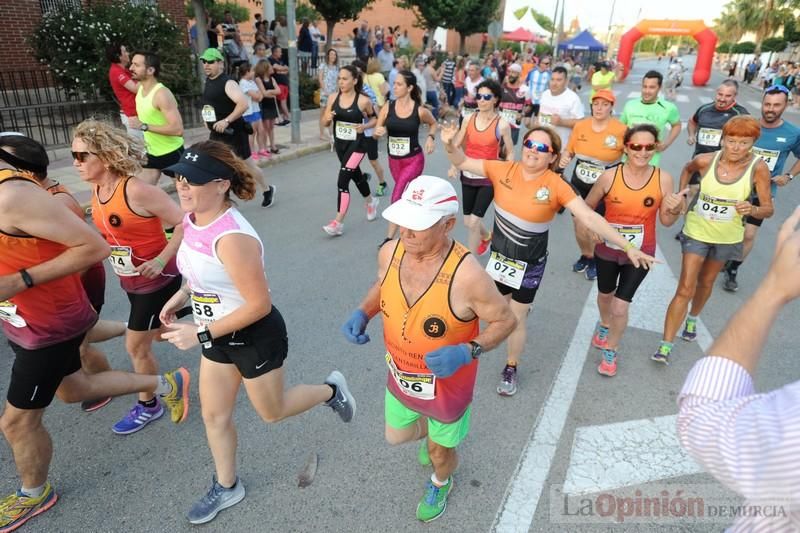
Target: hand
point(452, 172)
point(781, 180)
point(134, 122)
point(150, 269)
point(641, 259)
point(448, 132)
point(566, 157)
point(555, 120)
point(690, 140)
point(661, 147)
point(674, 202)
point(182, 334)
point(430, 144)
point(355, 327)
point(446, 360)
point(380, 131)
point(784, 272)
point(220, 126)
point(360, 128)
point(167, 314)
point(744, 208)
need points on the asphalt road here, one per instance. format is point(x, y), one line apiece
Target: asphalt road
point(521, 451)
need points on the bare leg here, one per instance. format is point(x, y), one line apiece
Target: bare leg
point(93, 360)
point(476, 230)
point(376, 164)
point(80, 386)
point(416, 431)
point(687, 285)
point(583, 238)
point(604, 306)
point(516, 341)
point(705, 284)
point(619, 321)
point(219, 384)
point(259, 175)
point(104, 330)
point(140, 349)
point(273, 404)
point(750, 232)
point(445, 460)
point(30, 443)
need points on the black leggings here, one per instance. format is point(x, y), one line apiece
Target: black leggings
point(350, 156)
point(625, 279)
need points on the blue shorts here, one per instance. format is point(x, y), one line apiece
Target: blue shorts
point(252, 117)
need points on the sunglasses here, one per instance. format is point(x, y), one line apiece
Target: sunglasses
point(774, 88)
point(183, 179)
point(640, 147)
point(486, 97)
point(207, 62)
point(545, 64)
point(542, 148)
point(80, 157)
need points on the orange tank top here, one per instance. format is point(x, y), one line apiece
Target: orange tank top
point(134, 239)
point(47, 313)
point(481, 144)
point(633, 213)
point(411, 332)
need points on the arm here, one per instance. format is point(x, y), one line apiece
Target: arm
point(368, 110)
point(505, 133)
point(131, 85)
point(426, 117)
point(28, 209)
point(761, 181)
point(672, 204)
point(327, 116)
point(673, 134)
point(691, 131)
point(698, 164)
point(150, 200)
point(380, 128)
point(456, 155)
point(354, 329)
point(600, 188)
point(235, 93)
point(255, 95)
point(786, 177)
point(165, 102)
point(275, 91)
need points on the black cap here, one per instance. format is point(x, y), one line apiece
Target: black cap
point(200, 168)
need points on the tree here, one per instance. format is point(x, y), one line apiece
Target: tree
point(543, 20)
point(725, 48)
point(763, 17)
point(333, 11)
point(429, 15)
point(216, 10)
point(790, 32)
point(463, 16)
point(746, 47)
point(774, 44)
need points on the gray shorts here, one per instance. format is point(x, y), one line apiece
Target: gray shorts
point(715, 252)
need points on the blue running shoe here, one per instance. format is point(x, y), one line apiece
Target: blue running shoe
point(137, 418)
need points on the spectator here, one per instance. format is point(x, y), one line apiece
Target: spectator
point(281, 75)
point(281, 33)
point(458, 81)
point(305, 46)
point(419, 67)
point(124, 87)
point(403, 40)
point(361, 42)
point(327, 76)
point(749, 441)
point(316, 39)
point(446, 74)
point(386, 58)
point(376, 81)
point(400, 64)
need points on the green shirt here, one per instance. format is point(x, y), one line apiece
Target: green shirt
point(659, 114)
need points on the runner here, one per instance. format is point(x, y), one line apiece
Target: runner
point(241, 333)
point(469, 105)
point(528, 194)
point(512, 103)
point(406, 160)
point(603, 78)
point(123, 86)
point(370, 143)
point(351, 113)
point(651, 109)
point(597, 144)
point(129, 214)
point(224, 103)
point(481, 136)
point(714, 228)
point(778, 139)
point(537, 81)
point(157, 116)
point(430, 396)
point(634, 194)
point(560, 107)
point(43, 247)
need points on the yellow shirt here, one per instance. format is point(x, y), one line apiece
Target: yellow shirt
point(604, 80)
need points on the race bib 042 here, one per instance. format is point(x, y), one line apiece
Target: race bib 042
point(715, 209)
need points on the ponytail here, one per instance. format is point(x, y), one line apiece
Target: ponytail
point(411, 81)
point(242, 177)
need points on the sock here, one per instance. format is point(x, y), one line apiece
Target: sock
point(35, 492)
point(690, 318)
point(602, 331)
point(438, 483)
point(733, 266)
point(609, 355)
point(164, 386)
point(334, 389)
point(509, 363)
point(149, 403)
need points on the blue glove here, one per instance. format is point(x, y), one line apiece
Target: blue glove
point(446, 360)
point(355, 326)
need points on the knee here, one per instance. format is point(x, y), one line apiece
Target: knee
point(619, 308)
point(19, 424)
point(470, 221)
point(271, 417)
point(137, 349)
point(686, 291)
point(216, 419)
point(68, 394)
point(393, 437)
point(440, 454)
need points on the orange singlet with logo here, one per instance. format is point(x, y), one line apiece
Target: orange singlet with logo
point(410, 332)
point(47, 313)
point(134, 239)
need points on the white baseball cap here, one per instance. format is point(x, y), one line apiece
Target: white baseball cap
point(424, 202)
point(515, 67)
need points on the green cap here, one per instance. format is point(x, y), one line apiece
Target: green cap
point(212, 54)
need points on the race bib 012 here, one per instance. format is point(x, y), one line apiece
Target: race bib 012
point(633, 233)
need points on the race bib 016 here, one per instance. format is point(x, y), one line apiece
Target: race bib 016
point(121, 260)
point(507, 271)
point(346, 131)
point(419, 386)
point(588, 172)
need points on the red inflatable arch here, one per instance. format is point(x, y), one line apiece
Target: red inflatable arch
point(706, 39)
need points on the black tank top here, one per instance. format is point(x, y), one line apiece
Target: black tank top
point(268, 101)
point(344, 119)
point(402, 133)
point(214, 96)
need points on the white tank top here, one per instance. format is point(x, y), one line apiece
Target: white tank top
point(214, 294)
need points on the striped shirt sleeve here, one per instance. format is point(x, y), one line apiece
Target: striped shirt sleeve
point(750, 442)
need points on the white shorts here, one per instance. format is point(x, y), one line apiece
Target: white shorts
point(132, 132)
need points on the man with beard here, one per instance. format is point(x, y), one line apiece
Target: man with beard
point(778, 139)
point(513, 100)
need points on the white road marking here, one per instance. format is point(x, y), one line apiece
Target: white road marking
point(525, 488)
point(754, 104)
point(705, 99)
point(634, 94)
point(682, 98)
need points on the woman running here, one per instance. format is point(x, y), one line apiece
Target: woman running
point(351, 113)
point(634, 194)
point(400, 121)
point(242, 333)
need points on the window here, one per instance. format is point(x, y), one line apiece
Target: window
point(49, 6)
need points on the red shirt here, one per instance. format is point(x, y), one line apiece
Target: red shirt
point(118, 77)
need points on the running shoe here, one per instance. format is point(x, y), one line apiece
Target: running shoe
point(178, 400)
point(689, 332)
point(17, 508)
point(284, 122)
point(608, 366)
point(434, 501)
point(508, 381)
point(372, 209)
point(269, 197)
point(662, 354)
point(423, 457)
point(93, 405)
point(591, 270)
point(342, 402)
point(483, 246)
point(380, 190)
point(581, 264)
point(730, 284)
point(264, 153)
point(334, 228)
point(216, 499)
point(137, 418)
point(256, 156)
point(600, 338)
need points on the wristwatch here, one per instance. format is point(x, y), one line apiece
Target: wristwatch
point(204, 336)
point(144, 127)
point(477, 349)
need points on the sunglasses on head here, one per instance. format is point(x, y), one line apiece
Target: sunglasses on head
point(542, 148)
point(486, 97)
point(640, 147)
point(776, 88)
point(207, 62)
point(80, 157)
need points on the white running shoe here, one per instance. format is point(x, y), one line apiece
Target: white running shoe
point(334, 228)
point(372, 209)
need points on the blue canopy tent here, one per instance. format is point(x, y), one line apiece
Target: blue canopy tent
point(583, 43)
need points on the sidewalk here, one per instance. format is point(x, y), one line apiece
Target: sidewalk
point(62, 170)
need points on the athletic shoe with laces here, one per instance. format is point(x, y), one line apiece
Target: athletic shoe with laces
point(689, 332)
point(483, 246)
point(18, 508)
point(608, 366)
point(342, 402)
point(269, 197)
point(730, 284)
point(591, 270)
point(380, 190)
point(508, 381)
point(423, 457)
point(334, 228)
point(661, 355)
point(216, 499)
point(137, 418)
point(178, 399)
point(434, 501)
point(93, 405)
point(600, 338)
point(372, 209)
point(581, 264)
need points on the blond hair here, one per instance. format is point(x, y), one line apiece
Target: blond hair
point(373, 66)
point(121, 154)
